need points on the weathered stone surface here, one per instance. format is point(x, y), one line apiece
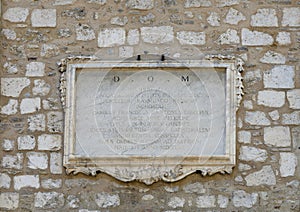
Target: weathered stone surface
point(244, 167)
point(274, 115)
point(48, 200)
point(51, 104)
point(63, 2)
point(9, 200)
point(26, 181)
point(56, 163)
point(36, 122)
point(140, 5)
point(111, 37)
point(55, 121)
point(9, 34)
point(157, 35)
point(191, 38)
point(288, 163)
point(207, 201)
point(37, 160)
point(197, 3)
point(49, 50)
point(43, 18)
point(293, 97)
point(8, 145)
point(244, 137)
point(147, 197)
point(291, 17)
point(64, 33)
point(4, 181)
point(281, 76)
point(223, 201)
point(41, 88)
point(271, 98)
point(265, 176)
point(106, 200)
point(256, 38)
point(283, 38)
point(51, 183)
point(13, 86)
point(73, 201)
point(265, 17)
point(101, 2)
point(35, 69)
point(16, 14)
point(229, 37)
point(257, 118)
point(10, 68)
point(197, 188)
point(277, 136)
point(234, 17)
point(120, 21)
point(11, 107)
point(26, 142)
point(133, 37)
point(85, 32)
point(214, 19)
point(272, 57)
point(147, 19)
point(226, 3)
point(49, 142)
point(126, 51)
point(291, 118)
point(30, 105)
point(176, 202)
point(243, 199)
point(248, 153)
point(13, 161)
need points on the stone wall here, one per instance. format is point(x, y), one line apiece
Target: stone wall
point(36, 34)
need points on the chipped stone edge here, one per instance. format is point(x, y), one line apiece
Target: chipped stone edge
point(150, 174)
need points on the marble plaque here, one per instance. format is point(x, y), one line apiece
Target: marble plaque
point(151, 120)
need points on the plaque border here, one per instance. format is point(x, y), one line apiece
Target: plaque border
point(166, 169)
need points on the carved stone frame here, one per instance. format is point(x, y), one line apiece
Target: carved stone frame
point(133, 168)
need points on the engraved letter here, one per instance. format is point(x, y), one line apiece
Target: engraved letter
point(185, 79)
point(116, 79)
point(150, 78)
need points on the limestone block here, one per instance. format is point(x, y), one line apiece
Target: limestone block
point(41, 88)
point(9, 34)
point(229, 37)
point(283, 38)
point(291, 118)
point(133, 37)
point(37, 160)
point(26, 181)
point(49, 50)
point(293, 97)
point(191, 38)
point(264, 18)
point(84, 32)
point(9, 200)
point(256, 38)
point(8, 145)
point(291, 17)
point(56, 163)
point(257, 118)
point(16, 14)
point(43, 18)
point(281, 76)
point(248, 153)
point(55, 121)
point(243, 199)
point(11, 107)
point(63, 2)
point(106, 200)
point(30, 105)
point(48, 200)
point(271, 98)
point(226, 3)
point(13, 86)
point(176, 202)
point(49, 142)
point(272, 57)
point(197, 3)
point(13, 161)
point(214, 19)
point(36, 122)
point(274, 115)
point(51, 183)
point(206, 201)
point(101, 2)
point(35, 69)
point(277, 136)
point(265, 176)
point(111, 37)
point(120, 21)
point(234, 17)
point(26, 142)
point(126, 51)
point(140, 5)
point(197, 188)
point(288, 163)
point(222, 201)
point(244, 137)
point(4, 181)
point(157, 35)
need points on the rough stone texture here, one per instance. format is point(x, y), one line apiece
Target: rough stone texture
point(197, 3)
point(265, 176)
point(63, 2)
point(293, 97)
point(35, 69)
point(41, 88)
point(243, 199)
point(55, 121)
point(206, 201)
point(133, 37)
point(9, 200)
point(234, 17)
point(8, 145)
point(288, 163)
point(9, 34)
point(120, 21)
point(291, 118)
point(264, 18)
point(226, 3)
point(191, 38)
point(244, 137)
point(48, 200)
point(272, 57)
point(13, 86)
point(111, 37)
point(248, 153)
point(257, 118)
point(281, 76)
point(49, 142)
point(10, 108)
point(283, 38)
point(36, 122)
point(4, 181)
point(56, 163)
point(274, 115)
point(157, 35)
point(140, 5)
point(84, 32)
point(49, 50)
point(214, 19)
point(256, 38)
point(16, 14)
point(37, 160)
point(291, 17)
point(126, 52)
point(223, 201)
point(277, 136)
point(271, 98)
point(176, 202)
point(30, 105)
point(197, 188)
point(51, 183)
point(27, 181)
point(229, 37)
point(13, 161)
point(26, 142)
point(106, 200)
point(43, 18)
